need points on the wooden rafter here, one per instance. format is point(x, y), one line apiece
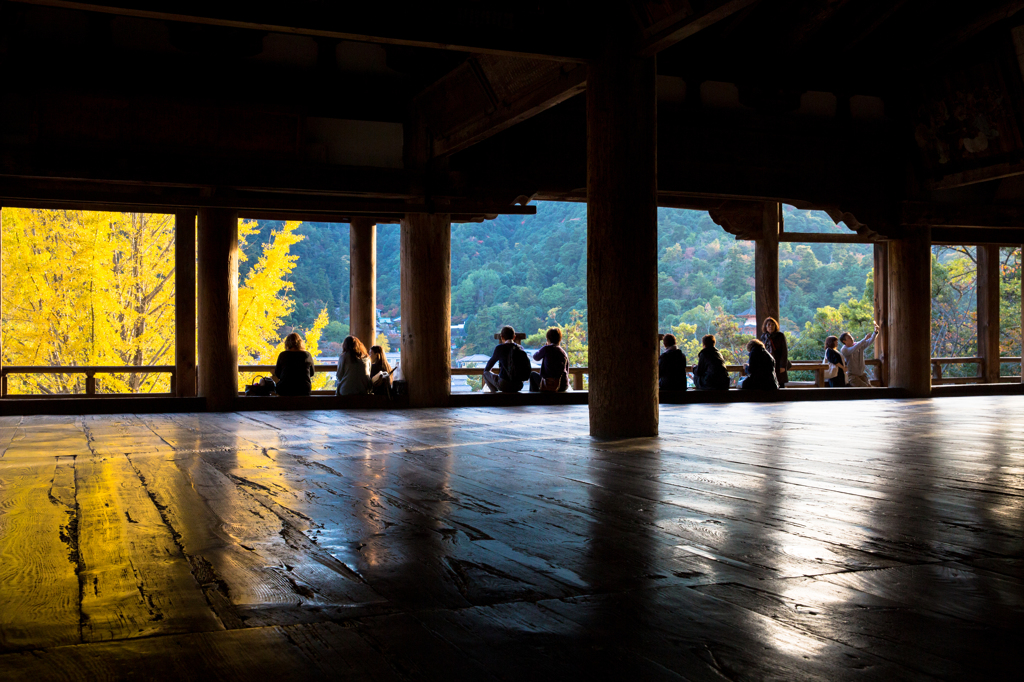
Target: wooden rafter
point(460, 26)
point(488, 93)
point(680, 19)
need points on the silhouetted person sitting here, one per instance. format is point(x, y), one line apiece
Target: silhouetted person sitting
point(671, 366)
point(353, 368)
point(504, 381)
point(294, 368)
point(380, 371)
point(711, 371)
point(554, 365)
point(760, 368)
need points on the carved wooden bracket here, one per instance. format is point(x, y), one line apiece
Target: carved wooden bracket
point(744, 219)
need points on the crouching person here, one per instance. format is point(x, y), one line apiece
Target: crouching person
point(554, 365)
point(711, 371)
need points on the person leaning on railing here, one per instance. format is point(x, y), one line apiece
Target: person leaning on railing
point(294, 369)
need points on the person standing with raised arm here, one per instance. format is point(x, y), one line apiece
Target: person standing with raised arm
point(853, 353)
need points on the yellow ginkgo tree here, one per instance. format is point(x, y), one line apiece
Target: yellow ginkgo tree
point(97, 288)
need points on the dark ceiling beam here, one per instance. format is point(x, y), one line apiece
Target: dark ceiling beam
point(689, 18)
point(459, 26)
point(487, 94)
point(932, 214)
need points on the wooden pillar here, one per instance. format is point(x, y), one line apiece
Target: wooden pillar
point(766, 266)
point(185, 304)
point(881, 300)
point(427, 307)
point(218, 307)
point(909, 343)
point(362, 317)
point(622, 245)
point(988, 312)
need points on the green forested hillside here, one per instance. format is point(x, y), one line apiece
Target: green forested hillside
point(530, 271)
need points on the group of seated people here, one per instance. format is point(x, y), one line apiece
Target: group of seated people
point(768, 365)
point(514, 368)
point(359, 372)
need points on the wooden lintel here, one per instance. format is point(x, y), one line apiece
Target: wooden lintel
point(685, 22)
point(825, 238)
point(974, 236)
point(461, 27)
point(933, 214)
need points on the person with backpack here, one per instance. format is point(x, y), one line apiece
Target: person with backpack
point(554, 365)
point(513, 364)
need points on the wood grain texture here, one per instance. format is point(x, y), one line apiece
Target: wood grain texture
point(746, 542)
point(427, 307)
point(909, 343)
point(217, 319)
point(363, 280)
point(622, 246)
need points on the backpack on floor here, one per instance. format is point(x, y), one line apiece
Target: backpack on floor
point(519, 364)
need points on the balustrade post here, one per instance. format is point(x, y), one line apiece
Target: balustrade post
point(90, 383)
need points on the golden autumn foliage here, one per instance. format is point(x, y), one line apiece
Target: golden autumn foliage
point(95, 288)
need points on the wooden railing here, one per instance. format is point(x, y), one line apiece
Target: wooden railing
point(90, 372)
point(577, 373)
point(978, 378)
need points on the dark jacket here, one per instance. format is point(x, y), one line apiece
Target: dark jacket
point(775, 343)
point(672, 370)
point(760, 371)
point(711, 372)
point(293, 371)
point(554, 362)
point(502, 353)
point(836, 358)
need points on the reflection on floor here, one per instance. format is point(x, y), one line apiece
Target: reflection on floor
point(864, 540)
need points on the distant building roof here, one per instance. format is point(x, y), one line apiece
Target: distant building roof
point(749, 312)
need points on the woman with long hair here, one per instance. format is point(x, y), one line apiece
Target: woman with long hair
point(353, 368)
point(380, 370)
point(294, 369)
point(834, 357)
point(775, 343)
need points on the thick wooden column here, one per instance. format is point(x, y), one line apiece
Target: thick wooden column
point(427, 307)
point(218, 307)
point(362, 241)
point(766, 266)
point(622, 246)
point(909, 343)
point(988, 312)
point(185, 304)
point(881, 300)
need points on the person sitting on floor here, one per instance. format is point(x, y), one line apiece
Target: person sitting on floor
point(353, 368)
point(760, 368)
point(294, 369)
point(853, 353)
point(503, 353)
point(835, 358)
point(554, 365)
point(671, 366)
point(711, 371)
point(380, 371)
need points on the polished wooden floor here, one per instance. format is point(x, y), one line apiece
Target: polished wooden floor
point(862, 540)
